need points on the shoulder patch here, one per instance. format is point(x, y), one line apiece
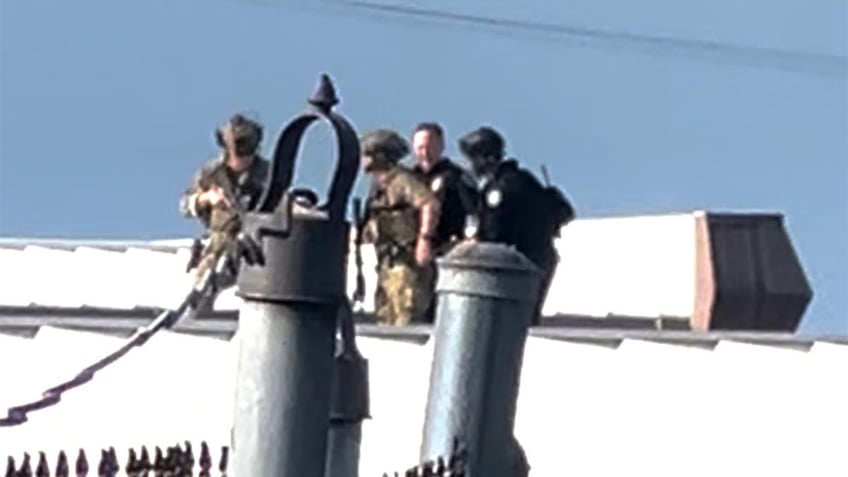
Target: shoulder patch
point(494, 197)
point(437, 184)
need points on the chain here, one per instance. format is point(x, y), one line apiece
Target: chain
point(204, 289)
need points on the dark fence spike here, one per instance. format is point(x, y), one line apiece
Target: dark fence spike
point(189, 454)
point(171, 459)
point(205, 459)
point(440, 466)
point(114, 465)
point(145, 459)
point(131, 468)
point(26, 469)
point(42, 469)
point(102, 463)
point(82, 464)
point(62, 467)
point(159, 460)
point(225, 457)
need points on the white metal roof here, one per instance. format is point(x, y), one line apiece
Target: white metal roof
point(634, 267)
point(593, 401)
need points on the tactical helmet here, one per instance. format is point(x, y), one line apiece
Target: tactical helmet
point(482, 142)
point(242, 133)
point(384, 146)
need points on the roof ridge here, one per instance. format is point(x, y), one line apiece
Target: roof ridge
point(160, 244)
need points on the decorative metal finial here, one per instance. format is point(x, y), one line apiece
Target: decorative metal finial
point(324, 97)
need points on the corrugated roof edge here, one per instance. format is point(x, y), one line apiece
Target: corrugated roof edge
point(118, 245)
point(26, 320)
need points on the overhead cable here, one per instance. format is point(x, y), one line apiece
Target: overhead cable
point(816, 64)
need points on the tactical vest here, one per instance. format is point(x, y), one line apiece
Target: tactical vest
point(397, 229)
point(243, 192)
point(457, 194)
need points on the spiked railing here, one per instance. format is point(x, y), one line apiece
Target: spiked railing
point(453, 465)
point(176, 461)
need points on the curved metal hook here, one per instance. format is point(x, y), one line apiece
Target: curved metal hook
point(288, 144)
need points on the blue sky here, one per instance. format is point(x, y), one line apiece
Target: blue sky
point(106, 108)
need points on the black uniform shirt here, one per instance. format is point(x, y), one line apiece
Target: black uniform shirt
point(513, 211)
point(456, 192)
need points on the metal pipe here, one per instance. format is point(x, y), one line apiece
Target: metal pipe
point(486, 300)
point(291, 293)
point(283, 389)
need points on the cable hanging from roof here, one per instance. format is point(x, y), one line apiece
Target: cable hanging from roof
point(816, 64)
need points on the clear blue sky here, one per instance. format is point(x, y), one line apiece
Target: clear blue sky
point(108, 107)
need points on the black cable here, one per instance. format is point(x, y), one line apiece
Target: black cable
point(18, 414)
point(767, 58)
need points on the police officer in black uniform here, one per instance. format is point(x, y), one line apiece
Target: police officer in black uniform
point(514, 207)
point(453, 185)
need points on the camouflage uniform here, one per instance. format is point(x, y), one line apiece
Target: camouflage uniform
point(404, 289)
point(243, 189)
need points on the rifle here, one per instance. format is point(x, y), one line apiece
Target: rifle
point(545, 176)
point(238, 208)
point(359, 224)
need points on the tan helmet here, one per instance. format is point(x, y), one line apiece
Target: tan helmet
point(384, 147)
point(242, 134)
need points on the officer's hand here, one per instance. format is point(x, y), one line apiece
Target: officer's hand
point(423, 252)
point(214, 197)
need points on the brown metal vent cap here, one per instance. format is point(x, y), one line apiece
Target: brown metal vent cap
point(749, 276)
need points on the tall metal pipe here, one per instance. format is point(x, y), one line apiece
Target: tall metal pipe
point(290, 300)
point(486, 300)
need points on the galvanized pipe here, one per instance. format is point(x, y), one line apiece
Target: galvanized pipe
point(486, 300)
point(283, 389)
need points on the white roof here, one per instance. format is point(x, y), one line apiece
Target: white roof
point(592, 402)
point(639, 408)
point(634, 267)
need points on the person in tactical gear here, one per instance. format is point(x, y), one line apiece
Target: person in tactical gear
point(453, 186)
point(224, 187)
point(515, 208)
point(401, 216)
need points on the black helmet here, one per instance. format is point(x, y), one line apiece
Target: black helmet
point(245, 135)
point(482, 142)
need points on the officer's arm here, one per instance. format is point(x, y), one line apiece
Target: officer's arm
point(370, 231)
point(189, 205)
point(369, 223)
point(425, 201)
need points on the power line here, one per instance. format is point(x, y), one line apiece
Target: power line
point(764, 58)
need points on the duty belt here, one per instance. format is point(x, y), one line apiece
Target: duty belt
point(395, 254)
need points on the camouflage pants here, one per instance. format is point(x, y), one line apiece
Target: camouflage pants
point(403, 293)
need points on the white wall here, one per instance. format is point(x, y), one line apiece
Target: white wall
point(641, 409)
